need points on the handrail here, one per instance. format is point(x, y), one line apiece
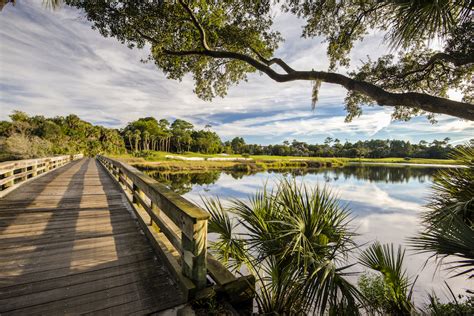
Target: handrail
point(184, 224)
point(15, 173)
point(177, 230)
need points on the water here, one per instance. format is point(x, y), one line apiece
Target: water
point(385, 201)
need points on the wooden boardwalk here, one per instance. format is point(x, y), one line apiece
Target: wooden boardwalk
point(69, 245)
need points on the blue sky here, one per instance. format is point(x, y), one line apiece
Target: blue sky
point(53, 63)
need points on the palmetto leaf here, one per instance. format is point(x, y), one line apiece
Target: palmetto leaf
point(387, 261)
point(228, 248)
point(425, 19)
point(294, 239)
point(449, 224)
point(449, 240)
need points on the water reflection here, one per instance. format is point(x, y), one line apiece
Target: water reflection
point(385, 202)
point(183, 182)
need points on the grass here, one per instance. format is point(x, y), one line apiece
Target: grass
point(403, 160)
point(156, 160)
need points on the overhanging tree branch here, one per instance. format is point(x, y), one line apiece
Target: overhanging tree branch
point(422, 101)
point(230, 29)
point(202, 32)
point(272, 61)
point(436, 58)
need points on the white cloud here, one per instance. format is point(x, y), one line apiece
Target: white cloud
point(307, 124)
point(53, 63)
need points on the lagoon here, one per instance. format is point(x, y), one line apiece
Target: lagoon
point(385, 203)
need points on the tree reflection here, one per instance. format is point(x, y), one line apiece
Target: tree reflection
point(183, 182)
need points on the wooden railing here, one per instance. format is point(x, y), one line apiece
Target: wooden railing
point(177, 229)
point(15, 173)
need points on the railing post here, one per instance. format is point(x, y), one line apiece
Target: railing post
point(155, 209)
point(116, 173)
point(34, 170)
point(194, 254)
point(23, 170)
point(140, 193)
point(191, 222)
point(120, 173)
point(47, 165)
point(12, 182)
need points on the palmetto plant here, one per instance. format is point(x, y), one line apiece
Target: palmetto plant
point(413, 19)
point(398, 287)
point(295, 240)
point(448, 225)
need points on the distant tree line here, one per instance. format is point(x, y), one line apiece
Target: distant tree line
point(375, 148)
point(37, 136)
point(180, 136)
point(150, 134)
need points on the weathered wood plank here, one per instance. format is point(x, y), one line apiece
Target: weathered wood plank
point(19, 172)
point(28, 277)
point(69, 244)
point(76, 278)
point(144, 193)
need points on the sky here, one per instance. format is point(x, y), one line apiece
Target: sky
point(52, 63)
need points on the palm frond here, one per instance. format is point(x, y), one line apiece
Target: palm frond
point(387, 261)
point(425, 19)
point(228, 248)
point(449, 224)
point(454, 240)
point(294, 239)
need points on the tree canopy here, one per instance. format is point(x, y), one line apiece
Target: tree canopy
point(374, 148)
point(149, 134)
point(37, 136)
point(220, 42)
point(28, 136)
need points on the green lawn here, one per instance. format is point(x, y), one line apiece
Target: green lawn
point(158, 159)
point(403, 160)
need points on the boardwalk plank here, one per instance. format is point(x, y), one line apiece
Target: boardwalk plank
point(69, 245)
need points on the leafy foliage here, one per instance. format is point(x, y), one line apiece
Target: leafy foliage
point(449, 224)
point(295, 241)
point(220, 42)
point(36, 136)
point(375, 148)
point(421, 69)
point(374, 290)
point(459, 306)
point(398, 288)
point(149, 134)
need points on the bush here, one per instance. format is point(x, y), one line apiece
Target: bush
point(19, 146)
point(460, 306)
point(143, 154)
point(373, 288)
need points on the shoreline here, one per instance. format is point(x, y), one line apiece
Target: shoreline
point(253, 166)
point(190, 162)
point(406, 164)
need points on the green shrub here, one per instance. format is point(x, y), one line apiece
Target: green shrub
point(459, 306)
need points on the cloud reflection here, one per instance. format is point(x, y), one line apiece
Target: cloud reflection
point(385, 205)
